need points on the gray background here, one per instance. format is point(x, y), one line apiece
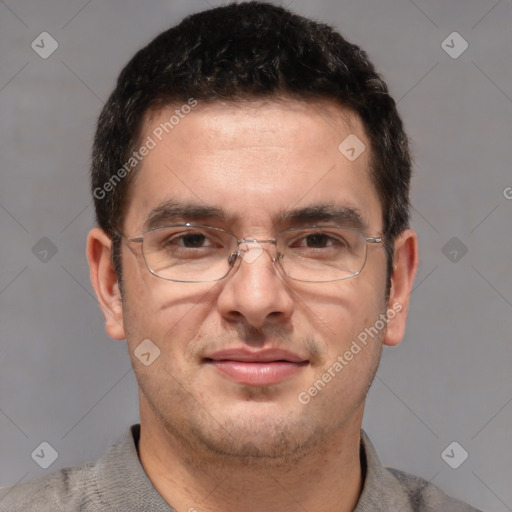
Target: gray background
point(62, 380)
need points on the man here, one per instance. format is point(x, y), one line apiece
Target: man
point(251, 179)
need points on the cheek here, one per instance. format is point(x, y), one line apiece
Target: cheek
point(340, 311)
point(354, 346)
point(168, 313)
point(352, 335)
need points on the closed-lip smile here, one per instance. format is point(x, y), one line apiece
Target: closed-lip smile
point(261, 367)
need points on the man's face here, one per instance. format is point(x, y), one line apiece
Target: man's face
point(254, 162)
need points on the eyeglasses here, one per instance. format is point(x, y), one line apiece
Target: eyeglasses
point(191, 253)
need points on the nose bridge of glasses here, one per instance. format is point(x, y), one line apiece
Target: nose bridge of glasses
point(250, 249)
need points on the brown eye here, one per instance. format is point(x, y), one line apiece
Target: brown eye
point(190, 240)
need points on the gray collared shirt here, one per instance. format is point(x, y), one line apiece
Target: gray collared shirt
point(117, 482)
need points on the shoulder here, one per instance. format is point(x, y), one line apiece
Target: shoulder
point(66, 490)
point(114, 482)
point(391, 489)
point(424, 496)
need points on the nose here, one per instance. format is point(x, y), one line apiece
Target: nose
point(255, 291)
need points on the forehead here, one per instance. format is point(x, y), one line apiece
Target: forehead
point(254, 160)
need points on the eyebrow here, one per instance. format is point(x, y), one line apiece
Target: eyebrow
point(174, 211)
point(346, 216)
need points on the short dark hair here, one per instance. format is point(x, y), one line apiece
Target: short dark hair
point(242, 51)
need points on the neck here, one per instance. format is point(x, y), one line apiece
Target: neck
point(192, 478)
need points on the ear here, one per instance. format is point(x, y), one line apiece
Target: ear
point(104, 281)
point(405, 265)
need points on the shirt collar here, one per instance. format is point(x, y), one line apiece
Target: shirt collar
point(381, 490)
point(124, 485)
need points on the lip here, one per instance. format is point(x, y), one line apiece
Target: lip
point(256, 368)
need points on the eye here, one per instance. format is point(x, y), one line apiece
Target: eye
point(192, 244)
point(319, 241)
point(188, 240)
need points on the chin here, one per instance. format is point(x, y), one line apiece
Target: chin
point(260, 437)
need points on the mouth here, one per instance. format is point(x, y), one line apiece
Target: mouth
point(256, 368)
